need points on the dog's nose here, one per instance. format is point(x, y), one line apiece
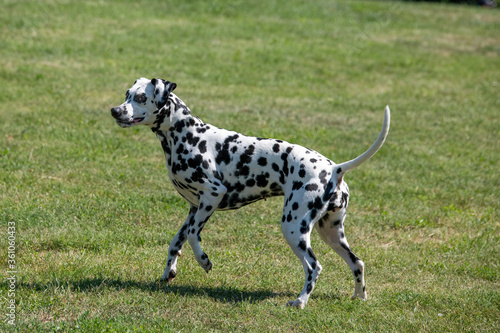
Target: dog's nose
point(116, 111)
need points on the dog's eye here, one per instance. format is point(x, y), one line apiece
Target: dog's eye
point(140, 98)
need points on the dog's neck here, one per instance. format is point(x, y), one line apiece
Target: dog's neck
point(168, 115)
point(173, 118)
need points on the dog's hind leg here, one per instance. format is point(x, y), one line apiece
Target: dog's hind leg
point(331, 229)
point(297, 233)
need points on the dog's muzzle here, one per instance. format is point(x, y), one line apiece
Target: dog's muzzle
point(120, 114)
point(117, 112)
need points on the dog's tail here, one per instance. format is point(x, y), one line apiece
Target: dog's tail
point(342, 168)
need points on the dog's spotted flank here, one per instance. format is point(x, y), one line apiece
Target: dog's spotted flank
point(216, 169)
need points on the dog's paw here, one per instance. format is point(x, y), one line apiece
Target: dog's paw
point(208, 266)
point(361, 296)
point(168, 276)
point(296, 304)
point(205, 263)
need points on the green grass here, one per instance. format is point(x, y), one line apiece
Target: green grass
point(94, 210)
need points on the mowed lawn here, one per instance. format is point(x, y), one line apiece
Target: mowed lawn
point(91, 210)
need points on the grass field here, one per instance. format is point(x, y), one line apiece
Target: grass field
point(92, 211)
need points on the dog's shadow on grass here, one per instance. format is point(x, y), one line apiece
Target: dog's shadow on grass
point(99, 284)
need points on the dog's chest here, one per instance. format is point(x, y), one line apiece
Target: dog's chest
point(184, 168)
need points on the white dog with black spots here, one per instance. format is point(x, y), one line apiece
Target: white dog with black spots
point(216, 169)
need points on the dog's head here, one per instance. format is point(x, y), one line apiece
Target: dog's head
point(143, 102)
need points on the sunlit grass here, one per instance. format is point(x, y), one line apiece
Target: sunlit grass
point(94, 210)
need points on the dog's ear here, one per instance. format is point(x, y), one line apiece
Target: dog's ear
point(162, 90)
point(169, 86)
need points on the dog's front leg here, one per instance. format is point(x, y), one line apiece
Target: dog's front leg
point(191, 229)
point(174, 249)
point(209, 202)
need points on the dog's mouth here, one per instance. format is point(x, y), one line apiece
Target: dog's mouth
point(129, 122)
point(124, 123)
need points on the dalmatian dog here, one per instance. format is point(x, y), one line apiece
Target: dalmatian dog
point(216, 169)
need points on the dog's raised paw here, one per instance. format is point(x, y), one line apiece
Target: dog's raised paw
point(208, 267)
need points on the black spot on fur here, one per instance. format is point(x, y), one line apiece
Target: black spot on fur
point(179, 125)
point(262, 180)
point(328, 192)
point(284, 157)
point(309, 288)
point(242, 170)
point(322, 177)
point(345, 198)
point(352, 256)
point(196, 161)
point(311, 187)
point(222, 156)
point(203, 146)
point(231, 138)
point(249, 152)
point(182, 233)
point(282, 177)
point(262, 161)
point(311, 254)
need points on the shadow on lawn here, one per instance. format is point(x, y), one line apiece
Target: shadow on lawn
point(98, 284)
